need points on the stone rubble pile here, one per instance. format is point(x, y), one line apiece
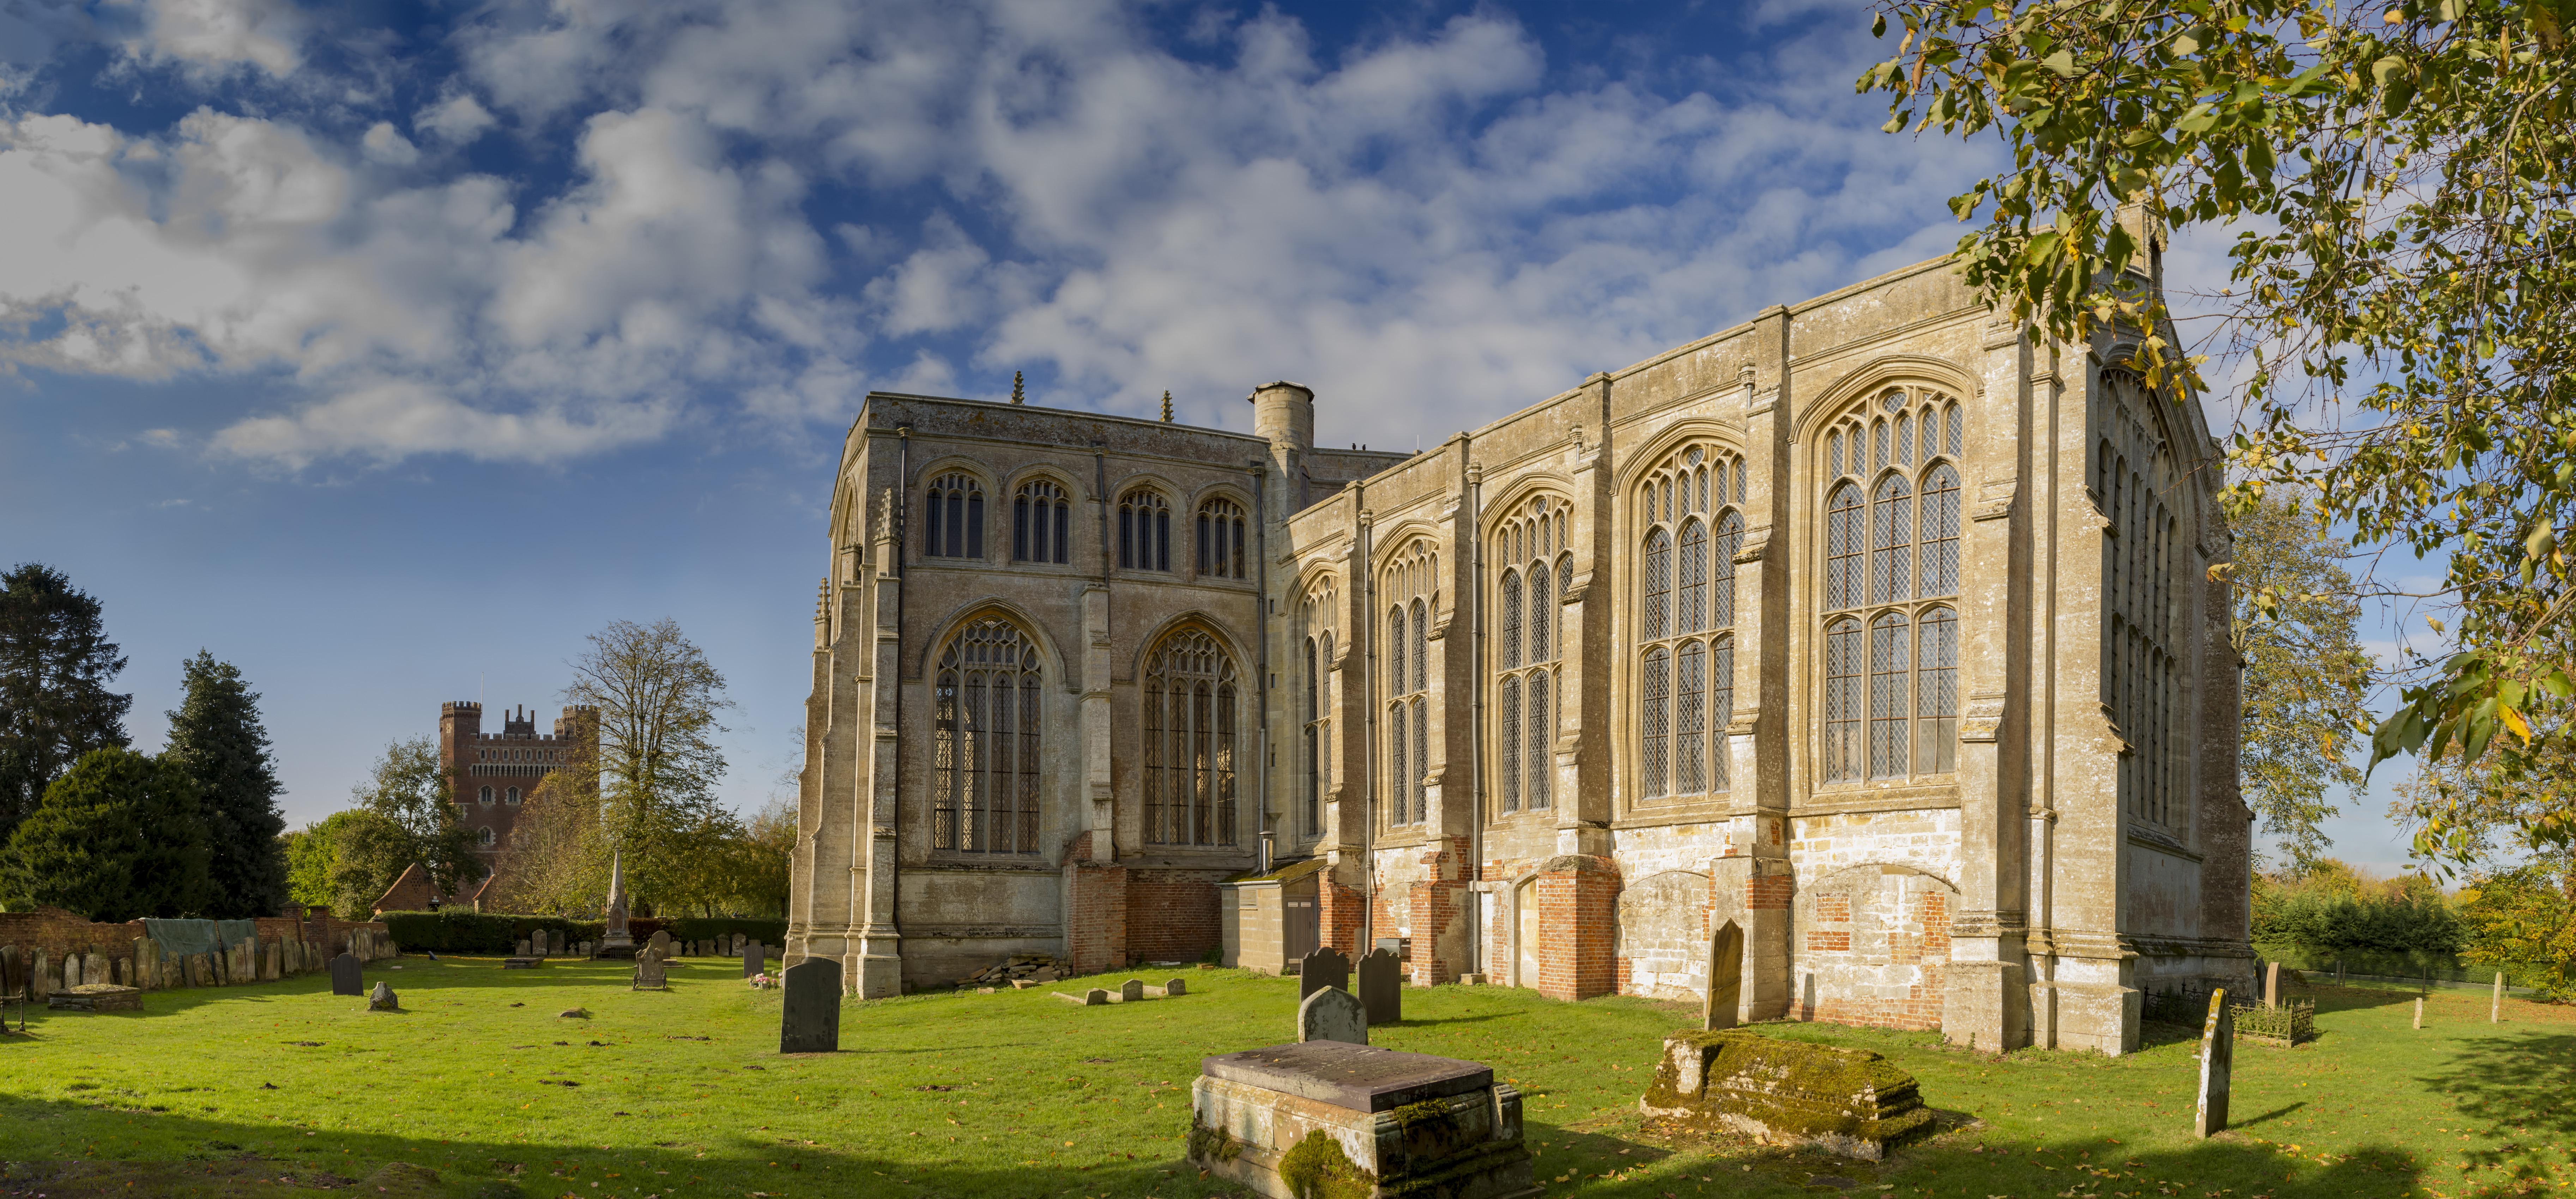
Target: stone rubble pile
point(1035, 967)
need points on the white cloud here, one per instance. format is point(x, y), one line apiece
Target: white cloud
point(219, 36)
point(383, 143)
point(1425, 228)
point(456, 120)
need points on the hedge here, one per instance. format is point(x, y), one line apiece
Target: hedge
point(768, 931)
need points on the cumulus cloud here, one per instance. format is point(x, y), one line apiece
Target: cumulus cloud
point(1431, 227)
point(220, 35)
point(456, 120)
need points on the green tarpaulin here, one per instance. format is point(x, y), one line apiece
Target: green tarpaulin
point(183, 937)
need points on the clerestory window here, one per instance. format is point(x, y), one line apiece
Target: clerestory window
point(953, 525)
point(1041, 523)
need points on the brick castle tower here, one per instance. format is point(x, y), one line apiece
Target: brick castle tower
point(491, 776)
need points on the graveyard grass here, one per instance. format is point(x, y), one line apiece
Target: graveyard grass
point(478, 1088)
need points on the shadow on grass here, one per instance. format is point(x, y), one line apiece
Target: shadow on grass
point(2522, 1085)
point(2267, 1117)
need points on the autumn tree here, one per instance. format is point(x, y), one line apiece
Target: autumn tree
point(2306, 679)
point(2397, 179)
point(407, 788)
point(656, 699)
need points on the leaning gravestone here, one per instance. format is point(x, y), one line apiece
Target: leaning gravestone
point(345, 979)
point(810, 1019)
point(1324, 1117)
point(1382, 987)
point(753, 958)
point(649, 973)
point(1332, 1014)
point(1325, 967)
point(2217, 1061)
point(1725, 978)
point(382, 999)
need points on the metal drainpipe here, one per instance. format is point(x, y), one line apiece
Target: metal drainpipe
point(1476, 710)
point(1261, 574)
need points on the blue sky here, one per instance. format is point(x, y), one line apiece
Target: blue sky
point(387, 349)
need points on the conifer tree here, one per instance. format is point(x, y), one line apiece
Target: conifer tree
point(117, 837)
point(216, 737)
point(55, 664)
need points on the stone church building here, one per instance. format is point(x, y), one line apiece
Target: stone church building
point(1871, 624)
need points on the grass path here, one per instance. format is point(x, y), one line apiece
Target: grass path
point(481, 1083)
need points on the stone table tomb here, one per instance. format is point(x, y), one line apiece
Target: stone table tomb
point(1326, 1117)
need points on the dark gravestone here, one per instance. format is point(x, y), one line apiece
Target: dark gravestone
point(1725, 977)
point(753, 958)
point(1326, 967)
point(344, 976)
point(1356, 1077)
point(810, 1021)
point(1382, 987)
point(2217, 1061)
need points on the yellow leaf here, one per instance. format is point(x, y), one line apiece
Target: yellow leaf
point(2513, 720)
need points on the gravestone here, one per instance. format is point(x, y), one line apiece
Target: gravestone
point(1321, 1117)
point(1094, 997)
point(1382, 987)
point(2495, 1008)
point(1851, 1102)
point(2217, 1061)
point(1332, 1014)
point(661, 943)
point(345, 978)
point(543, 942)
point(524, 950)
point(1725, 978)
point(2271, 984)
point(753, 958)
point(810, 1019)
point(382, 999)
point(649, 973)
point(2419, 1011)
point(1176, 988)
point(1131, 990)
point(1325, 967)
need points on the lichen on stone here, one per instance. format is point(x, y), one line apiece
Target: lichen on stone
point(1852, 1101)
point(1316, 1168)
point(1212, 1144)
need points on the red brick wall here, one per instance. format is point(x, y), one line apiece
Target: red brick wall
point(1338, 915)
point(1925, 945)
point(1769, 894)
point(1171, 916)
point(1578, 907)
point(1096, 928)
point(1436, 907)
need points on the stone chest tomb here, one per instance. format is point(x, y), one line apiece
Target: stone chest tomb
point(1848, 1101)
point(1326, 1117)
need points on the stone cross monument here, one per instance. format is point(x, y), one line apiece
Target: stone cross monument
point(617, 937)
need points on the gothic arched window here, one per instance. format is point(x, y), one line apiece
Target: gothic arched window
point(1192, 700)
point(1690, 529)
point(2134, 471)
point(1144, 531)
point(1891, 543)
point(984, 741)
point(955, 518)
point(1041, 523)
point(483, 836)
point(1532, 544)
point(1220, 544)
point(1316, 616)
point(1410, 586)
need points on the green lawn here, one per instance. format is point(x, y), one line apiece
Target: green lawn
point(681, 1094)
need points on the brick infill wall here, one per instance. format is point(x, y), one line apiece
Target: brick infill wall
point(37, 947)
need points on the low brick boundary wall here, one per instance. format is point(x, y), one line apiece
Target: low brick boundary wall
point(50, 949)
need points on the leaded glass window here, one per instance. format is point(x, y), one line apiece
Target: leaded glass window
point(1690, 531)
point(1891, 547)
point(985, 739)
point(1192, 714)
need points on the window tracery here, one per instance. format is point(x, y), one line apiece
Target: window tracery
point(1192, 702)
point(1532, 545)
point(1891, 703)
point(954, 527)
point(1220, 541)
point(1316, 614)
point(1689, 510)
point(1144, 531)
point(1041, 523)
point(2134, 472)
point(1411, 589)
point(985, 740)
